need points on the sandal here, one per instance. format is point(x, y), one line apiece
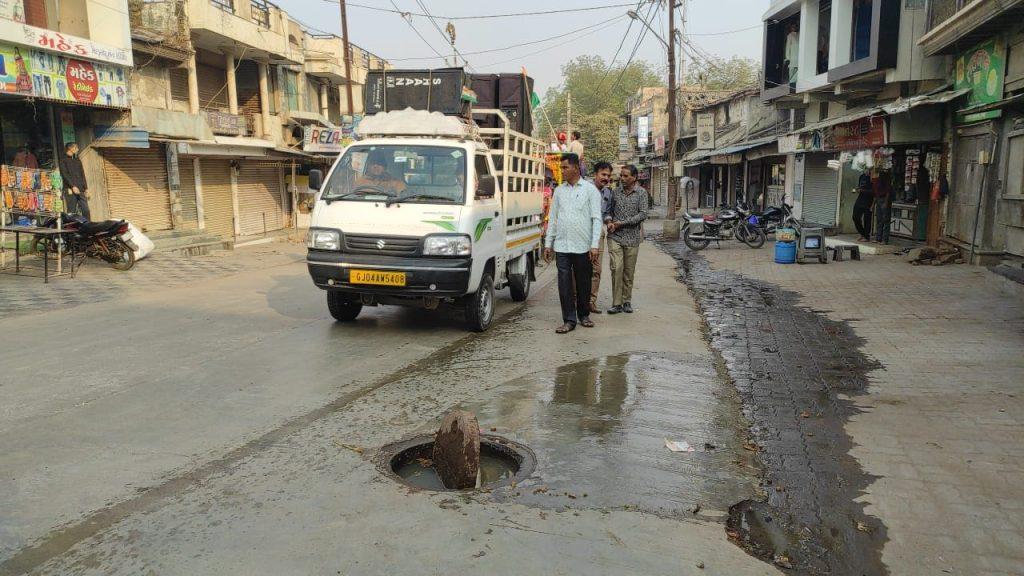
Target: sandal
point(565, 328)
point(588, 323)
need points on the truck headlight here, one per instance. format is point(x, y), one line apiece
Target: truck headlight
point(323, 239)
point(447, 245)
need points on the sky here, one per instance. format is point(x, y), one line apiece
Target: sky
point(389, 35)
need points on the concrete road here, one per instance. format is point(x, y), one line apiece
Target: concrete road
point(230, 427)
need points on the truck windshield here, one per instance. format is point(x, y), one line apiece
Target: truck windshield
point(396, 173)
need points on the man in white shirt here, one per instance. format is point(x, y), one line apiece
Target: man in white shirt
point(574, 235)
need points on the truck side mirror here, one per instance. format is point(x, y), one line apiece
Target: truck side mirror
point(316, 179)
point(486, 187)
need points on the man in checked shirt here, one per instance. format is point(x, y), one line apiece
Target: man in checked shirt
point(625, 233)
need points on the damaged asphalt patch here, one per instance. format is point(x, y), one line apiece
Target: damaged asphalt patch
point(796, 372)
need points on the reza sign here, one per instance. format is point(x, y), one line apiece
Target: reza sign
point(320, 139)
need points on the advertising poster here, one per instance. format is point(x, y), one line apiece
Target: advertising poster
point(14, 74)
point(65, 79)
point(705, 131)
point(321, 139)
point(982, 69)
point(12, 10)
point(642, 128)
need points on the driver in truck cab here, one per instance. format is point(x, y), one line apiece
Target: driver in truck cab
point(378, 176)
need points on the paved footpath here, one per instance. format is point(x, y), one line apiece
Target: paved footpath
point(940, 427)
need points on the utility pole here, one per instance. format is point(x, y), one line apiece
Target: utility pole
point(347, 53)
point(568, 115)
point(672, 226)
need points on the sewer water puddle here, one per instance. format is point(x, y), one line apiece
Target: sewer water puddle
point(598, 429)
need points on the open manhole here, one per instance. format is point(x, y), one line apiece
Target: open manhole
point(502, 462)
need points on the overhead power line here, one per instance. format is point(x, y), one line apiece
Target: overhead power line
point(723, 33)
point(490, 16)
point(648, 18)
point(607, 24)
point(618, 50)
point(414, 29)
point(520, 45)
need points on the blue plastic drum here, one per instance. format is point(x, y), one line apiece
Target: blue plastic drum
point(785, 252)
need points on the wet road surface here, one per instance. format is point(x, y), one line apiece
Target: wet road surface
point(305, 495)
point(796, 372)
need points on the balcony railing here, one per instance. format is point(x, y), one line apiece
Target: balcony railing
point(225, 5)
point(260, 13)
point(941, 10)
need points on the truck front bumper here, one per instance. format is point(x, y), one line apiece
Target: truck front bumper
point(440, 277)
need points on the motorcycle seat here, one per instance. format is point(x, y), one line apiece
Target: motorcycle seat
point(100, 227)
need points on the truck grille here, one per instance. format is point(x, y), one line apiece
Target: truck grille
point(386, 245)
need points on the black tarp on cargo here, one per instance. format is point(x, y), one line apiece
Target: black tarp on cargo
point(433, 90)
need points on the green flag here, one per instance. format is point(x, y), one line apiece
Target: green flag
point(534, 100)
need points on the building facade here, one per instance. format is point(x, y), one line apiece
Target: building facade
point(206, 113)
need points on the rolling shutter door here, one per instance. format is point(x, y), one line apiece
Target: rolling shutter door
point(213, 87)
point(259, 198)
point(821, 192)
point(179, 84)
point(217, 208)
point(247, 79)
point(187, 193)
point(137, 186)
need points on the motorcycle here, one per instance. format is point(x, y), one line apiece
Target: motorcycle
point(773, 217)
point(107, 240)
point(728, 223)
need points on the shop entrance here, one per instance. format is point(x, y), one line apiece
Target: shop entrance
point(27, 125)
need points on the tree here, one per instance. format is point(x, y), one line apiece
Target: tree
point(599, 94)
point(715, 73)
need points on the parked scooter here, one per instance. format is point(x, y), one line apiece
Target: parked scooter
point(725, 225)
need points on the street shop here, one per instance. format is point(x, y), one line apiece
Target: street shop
point(29, 200)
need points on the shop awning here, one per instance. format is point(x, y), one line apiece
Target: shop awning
point(302, 118)
point(226, 146)
point(243, 141)
point(740, 147)
point(1017, 100)
point(120, 137)
point(849, 116)
point(935, 97)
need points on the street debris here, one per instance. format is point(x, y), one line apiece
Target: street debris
point(351, 447)
point(751, 446)
point(678, 445)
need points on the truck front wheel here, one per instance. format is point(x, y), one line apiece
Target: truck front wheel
point(342, 308)
point(480, 306)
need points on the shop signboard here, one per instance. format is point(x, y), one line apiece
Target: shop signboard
point(57, 77)
point(859, 134)
point(14, 75)
point(981, 69)
point(321, 139)
point(224, 123)
point(12, 10)
point(623, 138)
point(706, 131)
point(789, 143)
point(71, 46)
point(659, 144)
point(643, 124)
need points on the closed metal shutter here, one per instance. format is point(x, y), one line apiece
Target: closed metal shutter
point(213, 87)
point(179, 84)
point(821, 190)
point(187, 193)
point(137, 186)
point(248, 81)
point(963, 197)
point(259, 198)
point(218, 211)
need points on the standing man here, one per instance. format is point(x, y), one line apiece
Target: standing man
point(76, 189)
point(862, 207)
point(882, 185)
point(574, 234)
point(625, 233)
point(576, 147)
point(602, 179)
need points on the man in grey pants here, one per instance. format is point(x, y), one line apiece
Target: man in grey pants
point(625, 233)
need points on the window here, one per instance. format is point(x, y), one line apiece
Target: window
point(393, 173)
point(260, 12)
point(824, 35)
point(822, 111)
point(860, 33)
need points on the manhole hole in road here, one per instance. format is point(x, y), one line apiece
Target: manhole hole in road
point(502, 462)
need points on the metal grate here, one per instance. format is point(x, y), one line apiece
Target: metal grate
point(385, 245)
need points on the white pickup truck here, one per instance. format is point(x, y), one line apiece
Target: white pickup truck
point(425, 209)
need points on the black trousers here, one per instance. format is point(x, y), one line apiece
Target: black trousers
point(77, 204)
point(574, 268)
point(862, 220)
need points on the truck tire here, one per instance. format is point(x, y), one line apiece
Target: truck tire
point(480, 305)
point(519, 284)
point(343, 310)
